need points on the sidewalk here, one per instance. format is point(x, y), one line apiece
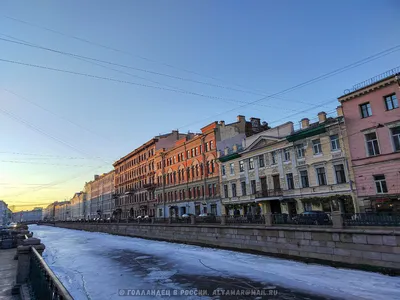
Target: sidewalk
point(8, 272)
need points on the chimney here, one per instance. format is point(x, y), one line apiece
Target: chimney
point(234, 148)
point(222, 123)
point(322, 117)
point(241, 118)
point(175, 133)
point(339, 111)
point(305, 122)
point(226, 151)
point(256, 124)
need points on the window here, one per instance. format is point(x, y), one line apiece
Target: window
point(304, 179)
point(396, 138)
point(209, 189)
point(317, 148)
point(340, 174)
point(251, 163)
point(190, 192)
point(214, 189)
point(300, 151)
point(261, 162)
point(195, 151)
point(286, 153)
point(380, 183)
point(273, 156)
point(243, 188)
point(160, 214)
point(307, 206)
point(321, 176)
point(233, 189)
point(232, 167)
point(213, 208)
point(253, 187)
point(226, 191)
point(335, 145)
point(241, 166)
point(365, 110)
point(391, 102)
point(211, 145)
point(206, 147)
point(372, 144)
point(290, 182)
point(223, 172)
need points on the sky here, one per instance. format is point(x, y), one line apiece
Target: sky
point(154, 66)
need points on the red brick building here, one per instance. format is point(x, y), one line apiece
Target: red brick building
point(187, 175)
point(134, 177)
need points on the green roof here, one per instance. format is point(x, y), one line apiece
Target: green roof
point(229, 157)
point(306, 133)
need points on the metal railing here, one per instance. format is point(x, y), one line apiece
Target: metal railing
point(208, 220)
point(269, 193)
point(371, 219)
point(44, 283)
point(372, 80)
point(250, 219)
point(302, 219)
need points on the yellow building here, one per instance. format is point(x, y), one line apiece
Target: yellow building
point(283, 171)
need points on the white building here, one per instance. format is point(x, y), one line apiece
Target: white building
point(4, 213)
point(28, 215)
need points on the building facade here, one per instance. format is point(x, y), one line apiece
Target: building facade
point(284, 171)
point(134, 178)
point(102, 191)
point(4, 213)
point(28, 215)
point(62, 211)
point(187, 175)
point(372, 116)
point(77, 206)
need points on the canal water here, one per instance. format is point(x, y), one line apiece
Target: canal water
point(99, 266)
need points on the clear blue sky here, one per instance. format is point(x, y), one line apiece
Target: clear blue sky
point(259, 46)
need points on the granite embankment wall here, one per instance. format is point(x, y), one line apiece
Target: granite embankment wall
point(373, 249)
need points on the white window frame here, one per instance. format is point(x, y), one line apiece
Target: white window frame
point(286, 154)
point(380, 183)
point(317, 177)
point(319, 146)
point(344, 170)
point(335, 141)
point(223, 170)
point(366, 144)
point(241, 166)
point(392, 138)
point(300, 178)
point(274, 157)
point(251, 163)
point(300, 149)
point(232, 168)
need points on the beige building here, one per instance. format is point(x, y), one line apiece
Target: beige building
point(77, 206)
point(285, 171)
point(62, 211)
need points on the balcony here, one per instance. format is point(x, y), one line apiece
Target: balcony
point(269, 193)
point(149, 186)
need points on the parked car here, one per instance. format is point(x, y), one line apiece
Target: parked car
point(12, 225)
point(313, 217)
point(207, 217)
point(186, 215)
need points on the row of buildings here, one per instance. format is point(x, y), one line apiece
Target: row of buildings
point(350, 162)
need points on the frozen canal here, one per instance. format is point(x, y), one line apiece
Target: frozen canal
point(96, 266)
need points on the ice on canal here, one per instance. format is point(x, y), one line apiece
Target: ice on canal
point(96, 265)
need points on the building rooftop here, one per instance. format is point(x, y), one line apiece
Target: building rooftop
point(371, 81)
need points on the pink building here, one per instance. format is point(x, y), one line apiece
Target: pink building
point(372, 117)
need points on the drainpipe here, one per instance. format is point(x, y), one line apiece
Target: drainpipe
point(353, 194)
point(162, 181)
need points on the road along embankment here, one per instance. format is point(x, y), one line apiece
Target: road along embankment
point(367, 249)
